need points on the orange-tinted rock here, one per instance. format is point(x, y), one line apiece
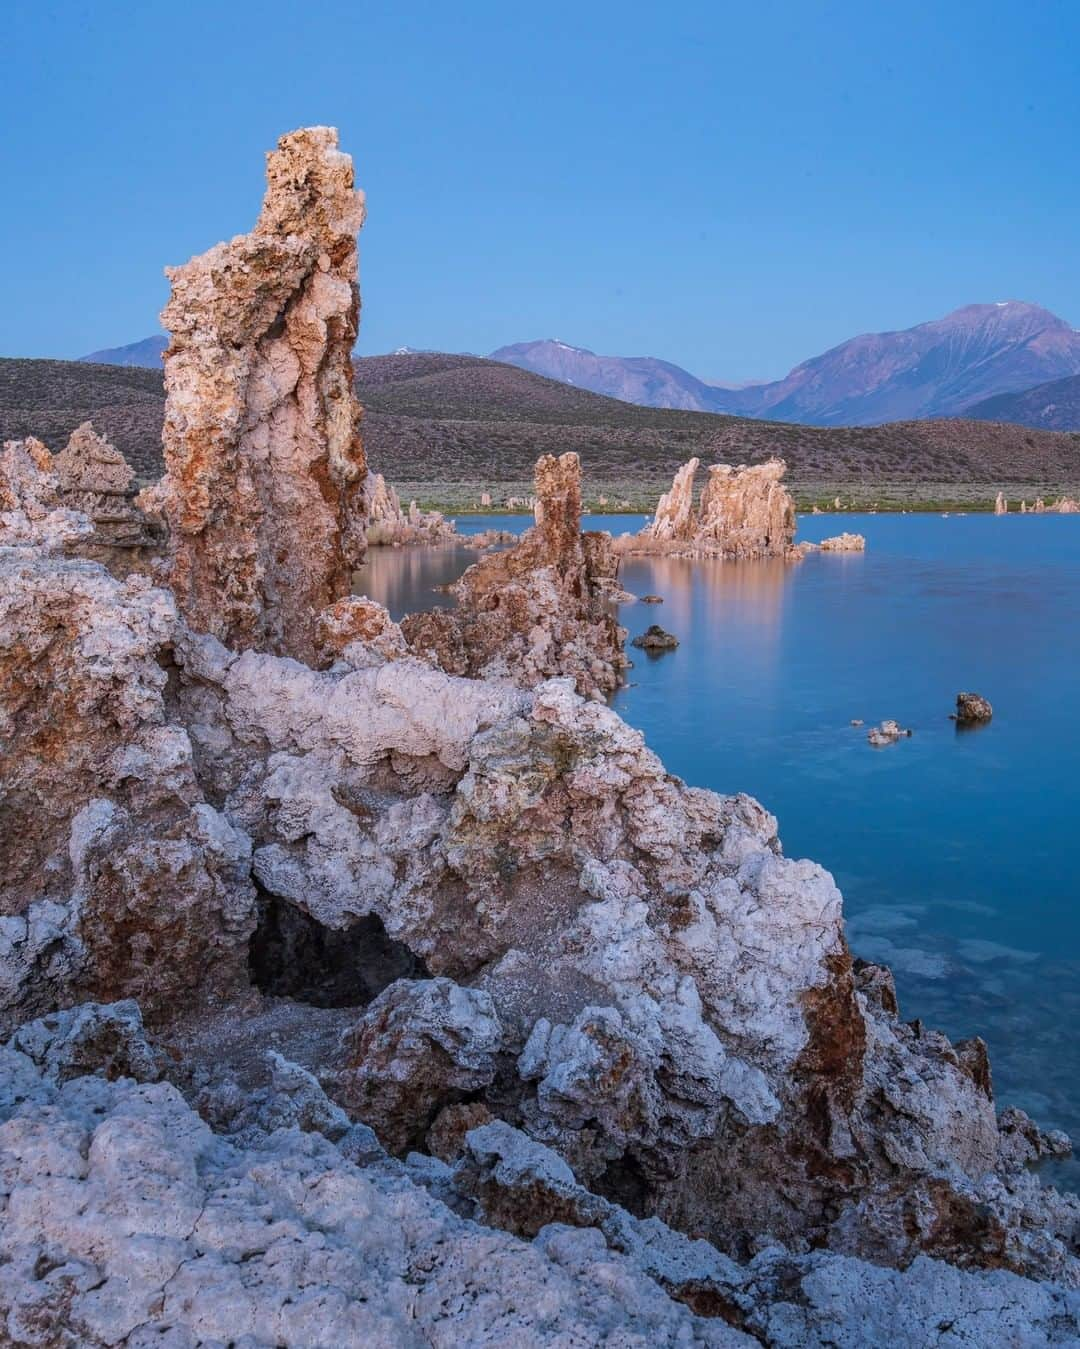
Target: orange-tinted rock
point(95, 478)
point(389, 524)
point(744, 512)
point(263, 490)
point(537, 610)
point(747, 512)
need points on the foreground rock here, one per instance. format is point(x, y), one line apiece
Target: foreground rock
point(744, 512)
point(539, 609)
point(126, 1221)
point(263, 490)
point(972, 708)
point(655, 967)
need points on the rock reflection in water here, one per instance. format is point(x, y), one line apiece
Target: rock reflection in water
point(409, 579)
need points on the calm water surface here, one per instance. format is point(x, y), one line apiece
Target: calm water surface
point(955, 851)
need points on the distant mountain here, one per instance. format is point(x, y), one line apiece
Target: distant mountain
point(146, 353)
point(933, 370)
point(632, 379)
point(1049, 407)
point(936, 369)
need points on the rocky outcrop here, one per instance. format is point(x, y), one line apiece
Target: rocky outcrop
point(744, 512)
point(655, 638)
point(1001, 505)
point(389, 524)
point(264, 485)
point(843, 543)
point(128, 1222)
point(94, 477)
point(30, 512)
point(972, 708)
point(675, 518)
point(539, 609)
point(119, 878)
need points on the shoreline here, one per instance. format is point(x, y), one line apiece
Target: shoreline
point(640, 497)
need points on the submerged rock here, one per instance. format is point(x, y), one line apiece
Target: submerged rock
point(972, 707)
point(887, 733)
point(654, 638)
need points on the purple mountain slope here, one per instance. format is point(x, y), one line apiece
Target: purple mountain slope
point(146, 352)
point(936, 369)
point(1050, 407)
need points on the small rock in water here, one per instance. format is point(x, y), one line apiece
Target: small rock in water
point(972, 708)
point(651, 599)
point(856, 721)
point(887, 733)
point(655, 638)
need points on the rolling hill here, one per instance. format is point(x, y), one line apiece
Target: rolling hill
point(434, 419)
point(1050, 407)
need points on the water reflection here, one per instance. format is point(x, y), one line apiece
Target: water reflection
point(406, 580)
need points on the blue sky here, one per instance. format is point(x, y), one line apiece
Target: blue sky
point(732, 187)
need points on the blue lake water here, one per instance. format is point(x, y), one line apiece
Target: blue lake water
point(954, 849)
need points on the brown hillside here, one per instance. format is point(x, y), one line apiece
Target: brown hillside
point(433, 417)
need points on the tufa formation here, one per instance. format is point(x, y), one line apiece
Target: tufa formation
point(264, 485)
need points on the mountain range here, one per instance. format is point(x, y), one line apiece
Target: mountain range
point(936, 369)
point(970, 363)
point(145, 353)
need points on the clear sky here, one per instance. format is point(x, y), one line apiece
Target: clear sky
point(734, 187)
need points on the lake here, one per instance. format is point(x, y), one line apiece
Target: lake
point(952, 848)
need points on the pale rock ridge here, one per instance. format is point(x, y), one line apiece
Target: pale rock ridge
point(744, 512)
point(539, 609)
point(389, 524)
point(30, 513)
point(675, 517)
point(264, 482)
point(95, 478)
point(1001, 505)
point(843, 543)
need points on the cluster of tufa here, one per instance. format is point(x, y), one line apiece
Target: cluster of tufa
point(375, 984)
